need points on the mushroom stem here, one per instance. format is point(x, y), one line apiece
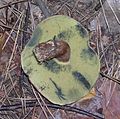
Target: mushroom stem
point(48, 50)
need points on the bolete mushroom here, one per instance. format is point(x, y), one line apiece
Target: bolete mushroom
point(59, 61)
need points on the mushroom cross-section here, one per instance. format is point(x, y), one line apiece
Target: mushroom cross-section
point(59, 61)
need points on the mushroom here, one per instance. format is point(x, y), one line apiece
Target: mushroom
point(59, 61)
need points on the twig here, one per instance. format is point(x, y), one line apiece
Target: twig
point(39, 103)
point(43, 7)
point(96, 8)
point(110, 78)
point(10, 33)
point(64, 3)
point(14, 47)
point(87, 17)
point(104, 14)
point(9, 28)
point(117, 19)
point(108, 46)
point(46, 106)
point(12, 3)
point(22, 43)
point(102, 47)
point(99, 5)
point(76, 3)
point(53, 106)
point(25, 25)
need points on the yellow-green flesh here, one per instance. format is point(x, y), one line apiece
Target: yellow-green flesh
point(62, 83)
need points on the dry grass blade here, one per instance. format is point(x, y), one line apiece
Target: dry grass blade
point(7, 93)
point(32, 103)
point(11, 28)
point(63, 4)
point(101, 45)
point(14, 47)
point(44, 9)
point(113, 12)
point(12, 3)
point(111, 93)
point(105, 15)
point(109, 45)
point(42, 107)
point(110, 78)
point(11, 32)
point(13, 85)
point(111, 88)
point(46, 106)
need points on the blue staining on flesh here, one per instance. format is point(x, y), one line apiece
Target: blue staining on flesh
point(35, 37)
point(58, 91)
point(79, 77)
point(81, 30)
point(52, 66)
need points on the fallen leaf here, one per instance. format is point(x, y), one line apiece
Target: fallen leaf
point(2, 37)
point(2, 93)
point(90, 95)
point(111, 100)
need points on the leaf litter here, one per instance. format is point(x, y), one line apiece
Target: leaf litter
point(15, 87)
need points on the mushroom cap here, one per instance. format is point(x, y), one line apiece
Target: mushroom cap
point(62, 83)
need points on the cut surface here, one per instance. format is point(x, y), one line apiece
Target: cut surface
point(62, 83)
point(46, 51)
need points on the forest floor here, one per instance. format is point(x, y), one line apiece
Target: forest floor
point(19, 18)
